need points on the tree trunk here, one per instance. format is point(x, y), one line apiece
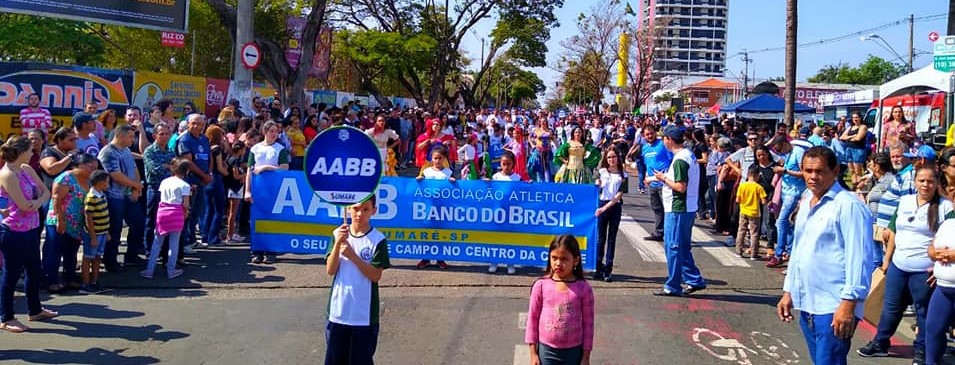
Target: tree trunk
point(791, 25)
point(295, 92)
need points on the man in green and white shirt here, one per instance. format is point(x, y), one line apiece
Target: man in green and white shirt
point(680, 196)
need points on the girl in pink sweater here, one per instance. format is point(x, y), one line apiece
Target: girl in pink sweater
point(560, 320)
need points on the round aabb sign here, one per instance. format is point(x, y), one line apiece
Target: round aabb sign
point(343, 166)
point(251, 56)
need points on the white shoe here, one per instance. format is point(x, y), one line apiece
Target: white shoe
point(188, 250)
point(200, 244)
point(492, 269)
point(511, 270)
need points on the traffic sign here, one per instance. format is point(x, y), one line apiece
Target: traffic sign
point(343, 165)
point(944, 52)
point(251, 56)
point(933, 36)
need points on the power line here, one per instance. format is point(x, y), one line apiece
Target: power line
point(854, 34)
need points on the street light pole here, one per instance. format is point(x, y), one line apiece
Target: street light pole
point(884, 44)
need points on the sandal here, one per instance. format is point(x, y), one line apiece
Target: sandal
point(13, 326)
point(45, 314)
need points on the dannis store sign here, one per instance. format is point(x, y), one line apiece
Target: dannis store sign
point(63, 90)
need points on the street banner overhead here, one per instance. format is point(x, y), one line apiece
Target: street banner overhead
point(467, 220)
point(150, 14)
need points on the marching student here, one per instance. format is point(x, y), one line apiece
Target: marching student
point(437, 170)
point(560, 317)
point(612, 180)
point(507, 173)
point(357, 260)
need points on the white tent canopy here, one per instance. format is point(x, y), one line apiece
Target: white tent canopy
point(925, 78)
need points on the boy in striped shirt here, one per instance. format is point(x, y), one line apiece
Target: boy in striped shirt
point(97, 226)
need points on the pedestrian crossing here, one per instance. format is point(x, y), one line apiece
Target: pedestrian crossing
point(652, 251)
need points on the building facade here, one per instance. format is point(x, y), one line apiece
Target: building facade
point(692, 41)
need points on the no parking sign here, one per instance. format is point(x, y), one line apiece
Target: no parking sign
point(343, 166)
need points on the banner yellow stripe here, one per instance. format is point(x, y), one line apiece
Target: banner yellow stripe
point(420, 235)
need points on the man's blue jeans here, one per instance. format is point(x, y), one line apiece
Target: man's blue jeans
point(215, 209)
point(784, 228)
point(124, 210)
point(198, 206)
point(824, 347)
point(901, 289)
point(677, 233)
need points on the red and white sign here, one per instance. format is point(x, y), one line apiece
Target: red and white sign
point(251, 56)
point(173, 39)
point(933, 36)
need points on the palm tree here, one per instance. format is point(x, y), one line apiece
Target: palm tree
point(791, 22)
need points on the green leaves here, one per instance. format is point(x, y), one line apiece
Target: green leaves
point(40, 39)
point(874, 71)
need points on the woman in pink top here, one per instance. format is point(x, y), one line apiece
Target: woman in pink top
point(897, 129)
point(19, 233)
point(560, 319)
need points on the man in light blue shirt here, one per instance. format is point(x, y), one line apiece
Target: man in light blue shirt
point(831, 263)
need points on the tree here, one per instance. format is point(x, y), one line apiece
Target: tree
point(380, 57)
point(289, 81)
point(874, 71)
point(40, 39)
point(642, 58)
point(448, 24)
point(589, 55)
point(790, 94)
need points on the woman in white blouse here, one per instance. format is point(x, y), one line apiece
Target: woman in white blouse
point(612, 180)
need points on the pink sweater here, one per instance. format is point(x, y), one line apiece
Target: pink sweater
point(561, 319)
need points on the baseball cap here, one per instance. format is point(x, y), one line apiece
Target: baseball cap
point(925, 151)
point(805, 131)
point(672, 131)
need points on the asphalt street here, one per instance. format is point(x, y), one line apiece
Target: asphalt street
point(226, 311)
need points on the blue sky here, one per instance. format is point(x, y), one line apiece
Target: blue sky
point(758, 24)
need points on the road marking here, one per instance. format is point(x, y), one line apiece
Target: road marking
point(761, 345)
point(715, 248)
point(522, 354)
point(648, 250)
point(522, 321)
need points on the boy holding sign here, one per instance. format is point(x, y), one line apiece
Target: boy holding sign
point(357, 260)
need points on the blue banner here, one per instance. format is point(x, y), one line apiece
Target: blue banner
point(467, 220)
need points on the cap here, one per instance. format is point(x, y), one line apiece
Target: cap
point(805, 131)
point(672, 131)
point(926, 152)
point(81, 118)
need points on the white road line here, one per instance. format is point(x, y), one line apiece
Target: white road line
point(649, 250)
point(522, 354)
point(522, 321)
point(715, 248)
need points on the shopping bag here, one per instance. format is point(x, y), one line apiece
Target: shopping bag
point(873, 303)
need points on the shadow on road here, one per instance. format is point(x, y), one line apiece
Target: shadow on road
point(90, 356)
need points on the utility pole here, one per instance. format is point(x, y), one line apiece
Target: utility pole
point(192, 67)
point(911, 41)
point(482, 51)
point(243, 35)
point(746, 61)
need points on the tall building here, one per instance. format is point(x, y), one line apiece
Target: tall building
point(692, 41)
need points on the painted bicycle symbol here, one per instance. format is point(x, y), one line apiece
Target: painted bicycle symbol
point(763, 345)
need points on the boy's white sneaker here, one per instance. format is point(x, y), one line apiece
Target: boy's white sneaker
point(492, 269)
point(511, 270)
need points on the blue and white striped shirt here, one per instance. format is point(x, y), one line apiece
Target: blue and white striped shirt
point(903, 185)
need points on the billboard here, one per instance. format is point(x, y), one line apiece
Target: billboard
point(323, 47)
point(149, 87)
point(152, 14)
point(63, 90)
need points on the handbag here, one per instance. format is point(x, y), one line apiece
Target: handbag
point(876, 297)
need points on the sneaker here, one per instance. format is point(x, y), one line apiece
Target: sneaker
point(443, 265)
point(909, 311)
point(97, 288)
point(175, 273)
point(201, 244)
point(257, 259)
point(236, 238)
point(873, 349)
point(87, 289)
point(919, 358)
point(730, 241)
point(511, 270)
point(269, 259)
point(146, 274)
point(608, 278)
point(774, 262)
point(188, 250)
point(423, 264)
point(492, 269)
point(754, 258)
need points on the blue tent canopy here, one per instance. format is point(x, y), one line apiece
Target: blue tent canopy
point(764, 104)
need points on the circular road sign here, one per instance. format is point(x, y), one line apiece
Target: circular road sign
point(343, 166)
point(933, 36)
point(251, 56)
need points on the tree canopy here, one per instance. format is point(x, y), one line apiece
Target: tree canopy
point(873, 71)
